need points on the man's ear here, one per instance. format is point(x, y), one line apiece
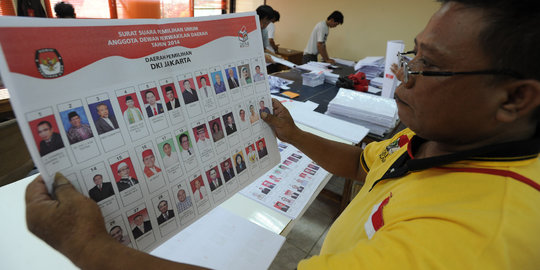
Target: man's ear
point(522, 100)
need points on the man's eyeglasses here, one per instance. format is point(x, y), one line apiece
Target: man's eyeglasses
point(404, 63)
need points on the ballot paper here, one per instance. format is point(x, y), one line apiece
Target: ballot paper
point(390, 81)
point(155, 120)
point(316, 67)
point(288, 187)
point(379, 114)
point(283, 61)
point(302, 112)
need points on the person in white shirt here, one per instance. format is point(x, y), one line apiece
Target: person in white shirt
point(269, 43)
point(202, 141)
point(132, 114)
point(169, 159)
point(317, 41)
point(204, 88)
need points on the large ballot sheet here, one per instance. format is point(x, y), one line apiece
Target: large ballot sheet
point(158, 121)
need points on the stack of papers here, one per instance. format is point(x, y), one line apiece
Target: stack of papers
point(302, 112)
point(376, 113)
point(329, 77)
point(277, 83)
point(372, 66)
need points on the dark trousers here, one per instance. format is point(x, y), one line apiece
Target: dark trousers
point(309, 57)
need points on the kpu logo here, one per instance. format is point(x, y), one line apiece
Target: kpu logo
point(49, 63)
point(243, 37)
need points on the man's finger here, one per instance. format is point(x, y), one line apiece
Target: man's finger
point(36, 191)
point(62, 188)
point(268, 118)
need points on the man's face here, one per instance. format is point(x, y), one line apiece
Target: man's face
point(167, 149)
point(200, 134)
point(203, 81)
point(163, 206)
point(218, 78)
point(75, 121)
point(138, 220)
point(185, 143)
point(123, 172)
point(98, 180)
point(226, 165)
point(332, 23)
point(197, 184)
point(229, 120)
point(170, 95)
point(187, 85)
point(151, 98)
point(243, 115)
point(261, 145)
point(213, 174)
point(456, 109)
point(103, 111)
point(231, 73)
point(44, 132)
point(149, 160)
point(116, 233)
point(261, 104)
point(130, 103)
point(181, 195)
point(258, 69)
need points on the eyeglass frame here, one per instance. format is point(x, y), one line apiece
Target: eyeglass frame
point(406, 70)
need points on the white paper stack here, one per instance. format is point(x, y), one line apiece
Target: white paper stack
point(329, 77)
point(372, 66)
point(376, 113)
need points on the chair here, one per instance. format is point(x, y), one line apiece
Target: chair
point(16, 161)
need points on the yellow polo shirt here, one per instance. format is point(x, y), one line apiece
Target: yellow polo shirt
point(435, 218)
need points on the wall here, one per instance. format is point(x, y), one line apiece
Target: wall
point(368, 24)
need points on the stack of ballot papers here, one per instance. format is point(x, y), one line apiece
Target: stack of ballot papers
point(302, 112)
point(277, 84)
point(372, 66)
point(329, 77)
point(376, 113)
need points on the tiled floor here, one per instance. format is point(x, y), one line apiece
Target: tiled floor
point(307, 236)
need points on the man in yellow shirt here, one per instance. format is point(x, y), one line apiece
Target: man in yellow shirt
point(460, 189)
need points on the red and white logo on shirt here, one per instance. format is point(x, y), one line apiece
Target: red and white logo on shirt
point(375, 220)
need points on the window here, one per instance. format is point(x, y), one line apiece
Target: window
point(86, 8)
point(209, 7)
point(142, 8)
point(6, 8)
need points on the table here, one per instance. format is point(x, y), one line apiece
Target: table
point(291, 55)
point(5, 107)
point(321, 94)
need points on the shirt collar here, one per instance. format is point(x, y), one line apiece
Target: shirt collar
point(503, 152)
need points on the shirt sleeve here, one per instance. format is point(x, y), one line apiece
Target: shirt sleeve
point(320, 33)
point(374, 149)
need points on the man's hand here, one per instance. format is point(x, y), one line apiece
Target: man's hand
point(331, 61)
point(397, 71)
point(268, 59)
point(282, 123)
point(67, 222)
